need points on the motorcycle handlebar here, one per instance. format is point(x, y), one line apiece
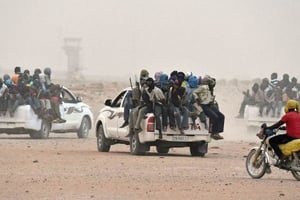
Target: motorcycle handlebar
point(266, 132)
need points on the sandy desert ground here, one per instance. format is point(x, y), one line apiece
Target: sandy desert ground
point(64, 167)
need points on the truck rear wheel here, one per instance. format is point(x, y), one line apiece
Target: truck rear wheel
point(83, 131)
point(43, 133)
point(199, 149)
point(136, 148)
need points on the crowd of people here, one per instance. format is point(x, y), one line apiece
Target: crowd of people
point(270, 95)
point(174, 98)
point(36, 90)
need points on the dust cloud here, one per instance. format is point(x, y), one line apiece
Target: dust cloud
point(226, 39)
point(234, 41)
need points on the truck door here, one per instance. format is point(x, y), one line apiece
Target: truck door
point(126, 107)
point(70, 110)
point(116, 114)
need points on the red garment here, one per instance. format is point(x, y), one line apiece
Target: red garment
point(54, 99)
point(292, 120)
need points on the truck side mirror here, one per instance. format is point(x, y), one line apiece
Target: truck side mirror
point(79, 99)
point(107, 102)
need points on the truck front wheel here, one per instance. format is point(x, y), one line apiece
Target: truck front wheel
point(83, 131)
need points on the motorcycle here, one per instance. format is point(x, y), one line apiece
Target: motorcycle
point(260, 159)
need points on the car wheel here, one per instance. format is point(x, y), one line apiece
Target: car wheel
point(43, 133)
point(102, 142)
point(84, 128)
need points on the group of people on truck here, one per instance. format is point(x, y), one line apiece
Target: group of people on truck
point(270, 95)
point(174, 98)
point(36, 90)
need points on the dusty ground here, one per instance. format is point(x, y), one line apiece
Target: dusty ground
point(64, 167)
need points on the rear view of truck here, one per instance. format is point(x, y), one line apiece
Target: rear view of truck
point(196, 138)
point(24, 121)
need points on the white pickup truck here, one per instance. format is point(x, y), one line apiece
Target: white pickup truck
point(108, 132)
point(77, 114)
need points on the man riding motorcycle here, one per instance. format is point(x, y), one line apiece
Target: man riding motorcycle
point(292, 121)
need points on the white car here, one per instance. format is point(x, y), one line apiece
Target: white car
point(78, 116)
point(108, 132)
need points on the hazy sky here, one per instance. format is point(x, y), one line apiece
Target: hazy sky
point(223, 38)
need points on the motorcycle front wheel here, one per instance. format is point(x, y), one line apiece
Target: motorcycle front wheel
point(296, 175)
point(256, 164)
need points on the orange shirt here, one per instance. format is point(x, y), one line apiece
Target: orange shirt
point(15, 78)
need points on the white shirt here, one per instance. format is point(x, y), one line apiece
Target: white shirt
point(3, 89)
point(156, 95)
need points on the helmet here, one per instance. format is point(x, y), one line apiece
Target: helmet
point(47, 71)
point(291, 105)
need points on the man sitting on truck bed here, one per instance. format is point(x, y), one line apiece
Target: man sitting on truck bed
point(158, 100)
point(204, 97)
point(176, 99)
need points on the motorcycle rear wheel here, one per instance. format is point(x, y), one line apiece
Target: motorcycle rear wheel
point(256, 164)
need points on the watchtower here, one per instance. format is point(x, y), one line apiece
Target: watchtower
point(72, 49)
